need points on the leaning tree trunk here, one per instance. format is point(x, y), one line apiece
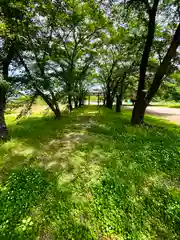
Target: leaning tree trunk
point(52, 103)
point(54, 107)
point(57, 113)
point(140, 105)
point(147, 47)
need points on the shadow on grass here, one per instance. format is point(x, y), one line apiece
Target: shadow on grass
point(37, 196)
point(138, 196)
point(91, 175)
point(40, 140)
point(32, 205)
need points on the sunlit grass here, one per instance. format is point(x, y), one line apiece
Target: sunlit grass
point(170, 104)
point(90, 175)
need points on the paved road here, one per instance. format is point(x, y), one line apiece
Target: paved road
point(171, 114)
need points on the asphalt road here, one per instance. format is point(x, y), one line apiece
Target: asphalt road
point(171, 114)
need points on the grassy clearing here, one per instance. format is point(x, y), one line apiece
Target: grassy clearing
point(90, 175)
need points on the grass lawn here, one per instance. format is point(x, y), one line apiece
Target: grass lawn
point(170, 104)
point(90, 175)
point(94, 98)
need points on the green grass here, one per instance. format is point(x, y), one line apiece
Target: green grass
point(94, 98)
point(90, 175)
point(170, 104)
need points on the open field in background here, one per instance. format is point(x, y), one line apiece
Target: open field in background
point(166, 110)
point(90, 175)
point(40, 101)
point(39, 107)
point(170, 104)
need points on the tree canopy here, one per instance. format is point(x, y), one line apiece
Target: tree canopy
point(58, 49)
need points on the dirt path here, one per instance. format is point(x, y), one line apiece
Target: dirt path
point(171, 114)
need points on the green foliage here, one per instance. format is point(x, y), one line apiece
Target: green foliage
point(4, 84)
point(59, 46)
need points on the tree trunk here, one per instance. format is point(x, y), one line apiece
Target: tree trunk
point(80, 101)
point(109, 103)
point(139, 109)
point(57, 113)
point(98, 99)
point(51, 103)
point(3, 127)
point(141, 103)
point(118, 103)
point(75, 102)
point(5, 70)
point(104, 100)
point(120, 96)
point(147, 47)
point(70, 102)
point(138, 112)
point(54, 109)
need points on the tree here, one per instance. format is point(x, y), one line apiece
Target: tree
point(36, 55)
point(143, 98)
point(11, 13)
point(118, 60)
point(76, 37)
